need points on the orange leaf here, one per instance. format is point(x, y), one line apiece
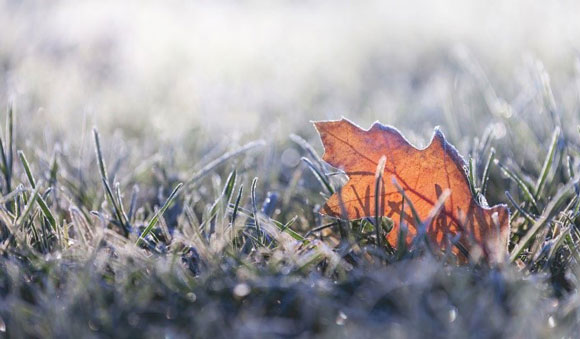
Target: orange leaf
point(423, 175)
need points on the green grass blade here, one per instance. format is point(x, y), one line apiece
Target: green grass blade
point(551, 210)
point(159, 213)
point(286, 229)
point(305, 145)
point(255, 206)
point(116, 208)
point(6, 152)
point(570, 167)
point(215, 163)
point(133, 204)
point(47, 213)
point(485, 175)
point(517, 207)
point(416, 216)
point(472, 177)
point(229, 187)
point(547, 163)
point(10, 140)
point(27, 170)
point(230, 184)
point(378, 180)
point(12, 195)
point(104, 178)
point(41, 202)
point(321, 178)
point(120, 202)
point(224, 197)
point(4, 167)
point(28, 207)
point(237, 204)
point(100, 159)
point(320, 228)
point(53, 169)
point(528, 196)
point(402, 240)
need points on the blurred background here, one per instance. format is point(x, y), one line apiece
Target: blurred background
point(212, 75)
point(241, 68)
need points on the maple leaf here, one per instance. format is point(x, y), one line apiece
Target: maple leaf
point(423, 176)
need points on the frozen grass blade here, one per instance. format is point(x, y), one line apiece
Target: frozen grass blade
point(105, 179)
point(416, 216)
point(133, 204)
point(120, 202)
point(229, 187)
point(41, 202)
point(53, 169)
point(378, 181)
point(547, 163)
point(570, 167)
point(551, 210)
point(217, 162)
point(10, 140)
point(403, 229)
point(237, 205)
point(223, 200)
point(12, 195)
point(255, 207)
point(528, 196)
point(159, 213)
point(286, 229)
point(321, 178)
point(100, 159)
point(4, 168)
point(27, 170)
point(485, 175)
point(517, 207)
point(6, 154)
point(472, 177)
point(305, 145)
point(47, 213)
point(421, 235)
point(28, 207)
point(116, 208)
point(320, 228)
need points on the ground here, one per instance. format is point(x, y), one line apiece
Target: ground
point(161, 176)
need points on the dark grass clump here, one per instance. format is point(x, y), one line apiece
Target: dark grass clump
point(154, 239)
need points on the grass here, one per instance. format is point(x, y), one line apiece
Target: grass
point(156, 245)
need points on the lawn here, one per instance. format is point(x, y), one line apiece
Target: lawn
point(162, 184)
